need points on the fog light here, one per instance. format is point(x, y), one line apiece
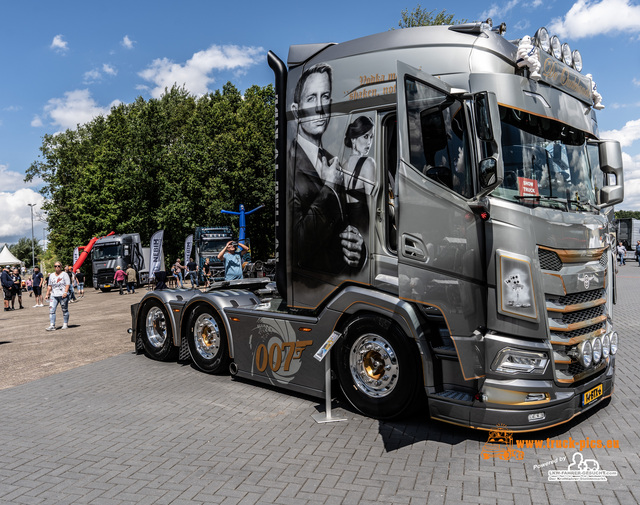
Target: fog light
point(538, 416)
point(585, 354)
point(606, 346)
point(614, 343)
point(597, 350)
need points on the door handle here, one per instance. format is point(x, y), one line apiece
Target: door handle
point(412, 247)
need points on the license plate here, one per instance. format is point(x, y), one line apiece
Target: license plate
point(592, 395)
point(107, 285)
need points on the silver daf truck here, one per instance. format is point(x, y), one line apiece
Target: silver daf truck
point(442, 212)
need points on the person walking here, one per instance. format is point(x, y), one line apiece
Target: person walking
point(38, 280)
point(17, 288)
point(192, 272)
point(69, 271)
point(119, 278)
point(622, 253)
point(58, 294)
point(638, 252)
point(206, 268)
point(131, 279)
point(80, 279)
point(7, 287)
point(176, 270)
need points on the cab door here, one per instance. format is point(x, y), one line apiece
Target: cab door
point(440, 242)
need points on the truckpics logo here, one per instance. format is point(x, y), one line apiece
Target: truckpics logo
point(500, 445)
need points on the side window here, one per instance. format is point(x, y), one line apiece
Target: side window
point(438, 137)
point(390, 132)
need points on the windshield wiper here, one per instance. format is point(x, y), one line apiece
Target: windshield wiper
point(584, 205)
point(554, 199)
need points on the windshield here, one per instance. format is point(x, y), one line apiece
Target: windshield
point(107, 252)
point(546, 163)
point(213, 246)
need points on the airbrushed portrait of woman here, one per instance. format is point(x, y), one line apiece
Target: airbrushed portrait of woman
point(359, 171)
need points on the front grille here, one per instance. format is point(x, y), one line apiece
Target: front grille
point(574, 334)
point(582, 315)
point(576, 298)
point(549, 260)
point(570, 314)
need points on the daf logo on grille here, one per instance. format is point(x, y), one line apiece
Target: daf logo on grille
point(586, 279)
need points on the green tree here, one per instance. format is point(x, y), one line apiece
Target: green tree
point(621, 214)
point(170, 163)
point(22, 251)
point(423, 17)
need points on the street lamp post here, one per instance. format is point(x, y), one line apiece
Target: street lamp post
point(33, 254)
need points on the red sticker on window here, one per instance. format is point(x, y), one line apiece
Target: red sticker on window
point(528, 187)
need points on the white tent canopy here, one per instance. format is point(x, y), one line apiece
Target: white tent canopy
point(6, 258)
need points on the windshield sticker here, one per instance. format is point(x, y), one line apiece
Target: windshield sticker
point(528, 187)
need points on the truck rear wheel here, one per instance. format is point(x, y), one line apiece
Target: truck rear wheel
point(377, 367)
point(207, 340)
point(157, 334)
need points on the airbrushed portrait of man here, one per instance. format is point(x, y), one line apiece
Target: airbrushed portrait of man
point(324, 240)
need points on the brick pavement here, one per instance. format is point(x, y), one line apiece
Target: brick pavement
point(131, 430)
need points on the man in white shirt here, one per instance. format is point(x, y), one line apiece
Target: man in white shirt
point(57, 293)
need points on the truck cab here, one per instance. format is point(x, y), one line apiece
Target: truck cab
point(443, 209)
point(112, 251)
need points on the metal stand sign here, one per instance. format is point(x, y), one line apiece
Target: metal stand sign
point(324, 354)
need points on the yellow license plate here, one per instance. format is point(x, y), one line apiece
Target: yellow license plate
point(592, 395)
point(107, 285)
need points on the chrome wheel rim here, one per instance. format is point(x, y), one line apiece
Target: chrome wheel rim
point(374, 366)
point(206, 336)
point(156, 326)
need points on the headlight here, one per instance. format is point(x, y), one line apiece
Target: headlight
point(606, 346)
point(514, 361)
point(597, 350)
point(515, 286)
point(556, 49)
point(614, 343)
point(542, 38)
point(585, 354)
point(577, 60)
point(566, 54)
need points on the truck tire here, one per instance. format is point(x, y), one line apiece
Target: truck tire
point(207, 339)
point(377, 367)
point(156, 331)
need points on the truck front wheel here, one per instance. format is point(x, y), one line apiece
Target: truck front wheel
point(377, 367)
point(207, 340)
point(157, 335)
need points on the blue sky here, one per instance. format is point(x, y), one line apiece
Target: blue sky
point(64, 63)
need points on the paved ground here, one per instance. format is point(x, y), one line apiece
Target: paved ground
point(127, 429)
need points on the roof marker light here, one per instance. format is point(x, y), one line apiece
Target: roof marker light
point(566, 54)
point(577, 60)
point(542, 39)
point(556, 50)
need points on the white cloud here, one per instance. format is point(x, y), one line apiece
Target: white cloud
point(626, 135)
point(498, 12)
point(12, 181)
point(195, 73)
point(16, 222)
point(587, 18)
point(36, 122)
point(91, 76)
point(636, 82)
point(127, 43)
point(77, 107)
point(59, 44)
point(631, 166)
point(108, 69)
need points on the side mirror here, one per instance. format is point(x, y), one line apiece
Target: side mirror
point(487, 119)
point(610, 157)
